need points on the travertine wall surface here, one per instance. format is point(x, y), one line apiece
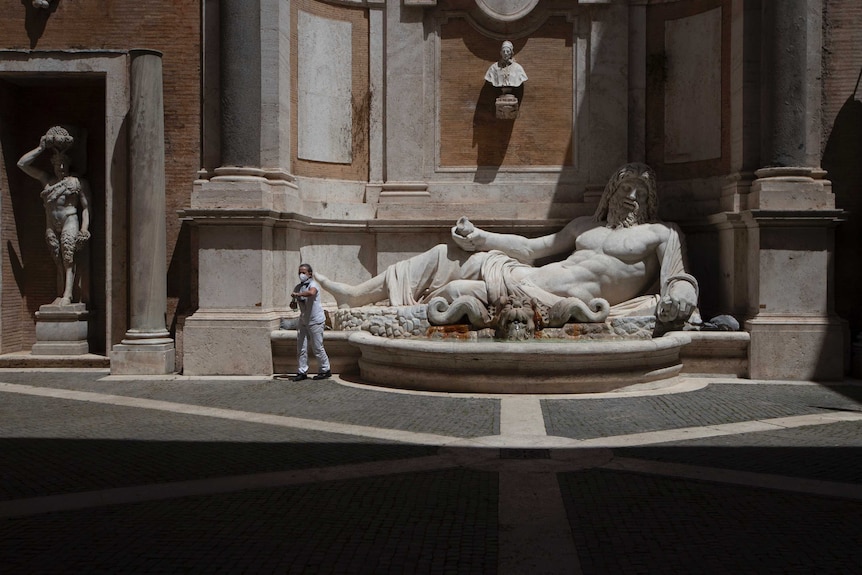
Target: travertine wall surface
point(354, 112)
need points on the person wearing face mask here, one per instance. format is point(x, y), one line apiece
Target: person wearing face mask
point(306, 297)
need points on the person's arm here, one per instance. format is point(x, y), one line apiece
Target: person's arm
point(522, 249)
point(26, 163)
point(679, 289)
point(311, 291)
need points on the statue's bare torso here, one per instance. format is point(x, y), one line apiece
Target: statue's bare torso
point(61, 203)
point(615, 264)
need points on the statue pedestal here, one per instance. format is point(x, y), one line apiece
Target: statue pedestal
point(61, 330)
point(507, 107)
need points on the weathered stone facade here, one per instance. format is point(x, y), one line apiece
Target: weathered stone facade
point(351, 134)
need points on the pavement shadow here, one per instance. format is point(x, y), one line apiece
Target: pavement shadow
point(388, 520)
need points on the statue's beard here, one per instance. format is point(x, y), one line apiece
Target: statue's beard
point(622, 214)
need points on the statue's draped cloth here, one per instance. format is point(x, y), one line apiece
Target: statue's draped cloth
point(418, 280)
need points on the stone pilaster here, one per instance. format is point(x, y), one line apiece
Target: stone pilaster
point(147, 347)
point(234, 205)
point(791, 213)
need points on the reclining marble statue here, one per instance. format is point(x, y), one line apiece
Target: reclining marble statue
point(621, 261)
point(66, 200)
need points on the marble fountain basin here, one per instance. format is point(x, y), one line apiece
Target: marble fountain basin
point(582, 366)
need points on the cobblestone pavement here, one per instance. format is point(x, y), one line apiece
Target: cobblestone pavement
point(102, 474)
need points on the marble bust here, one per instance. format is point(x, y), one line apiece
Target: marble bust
point(65, 196)
point(506, 73)
point(623, 256)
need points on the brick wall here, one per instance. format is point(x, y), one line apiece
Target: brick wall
point(470, 133)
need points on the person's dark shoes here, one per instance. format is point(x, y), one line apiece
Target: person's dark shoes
point(323, 375)
point(299, 377)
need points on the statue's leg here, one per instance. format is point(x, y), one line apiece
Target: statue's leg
point(54, 246)
point(407, 281)
point(347, 296)
point(68, 237)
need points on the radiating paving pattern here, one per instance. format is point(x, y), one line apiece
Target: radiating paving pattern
point(100, 474)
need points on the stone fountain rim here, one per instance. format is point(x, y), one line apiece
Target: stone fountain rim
point(573, 347)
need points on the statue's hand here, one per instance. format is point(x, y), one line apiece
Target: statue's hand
point(677, 304)
point(467, 236)
point(83, 237)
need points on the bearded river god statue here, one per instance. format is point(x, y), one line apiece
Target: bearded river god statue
point(622, 261)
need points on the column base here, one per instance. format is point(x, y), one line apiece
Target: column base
point(143, 359)
point(797, 348)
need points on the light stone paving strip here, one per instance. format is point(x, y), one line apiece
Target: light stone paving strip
point(521, 416)
point(535, 535)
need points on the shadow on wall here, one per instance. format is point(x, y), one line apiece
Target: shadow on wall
point(842, 159)
point(182, 276)
point(36, 18)
point(491, 136)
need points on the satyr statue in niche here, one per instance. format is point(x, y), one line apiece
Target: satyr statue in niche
point(504, 75)
point(621, 261)
point(67, 205)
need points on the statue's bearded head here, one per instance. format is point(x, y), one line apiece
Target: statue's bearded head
point(629, 198)
point(627, 206)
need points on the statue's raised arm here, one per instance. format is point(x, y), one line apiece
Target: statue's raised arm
point(472, 239)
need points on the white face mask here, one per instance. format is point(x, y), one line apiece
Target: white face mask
point(303, 278)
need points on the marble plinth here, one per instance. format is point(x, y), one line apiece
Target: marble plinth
point(507, 107)
point(61, 330)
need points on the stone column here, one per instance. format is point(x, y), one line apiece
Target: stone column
point(147, 348)
point(790, 70)
point(240, 54)
point(795, 333)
